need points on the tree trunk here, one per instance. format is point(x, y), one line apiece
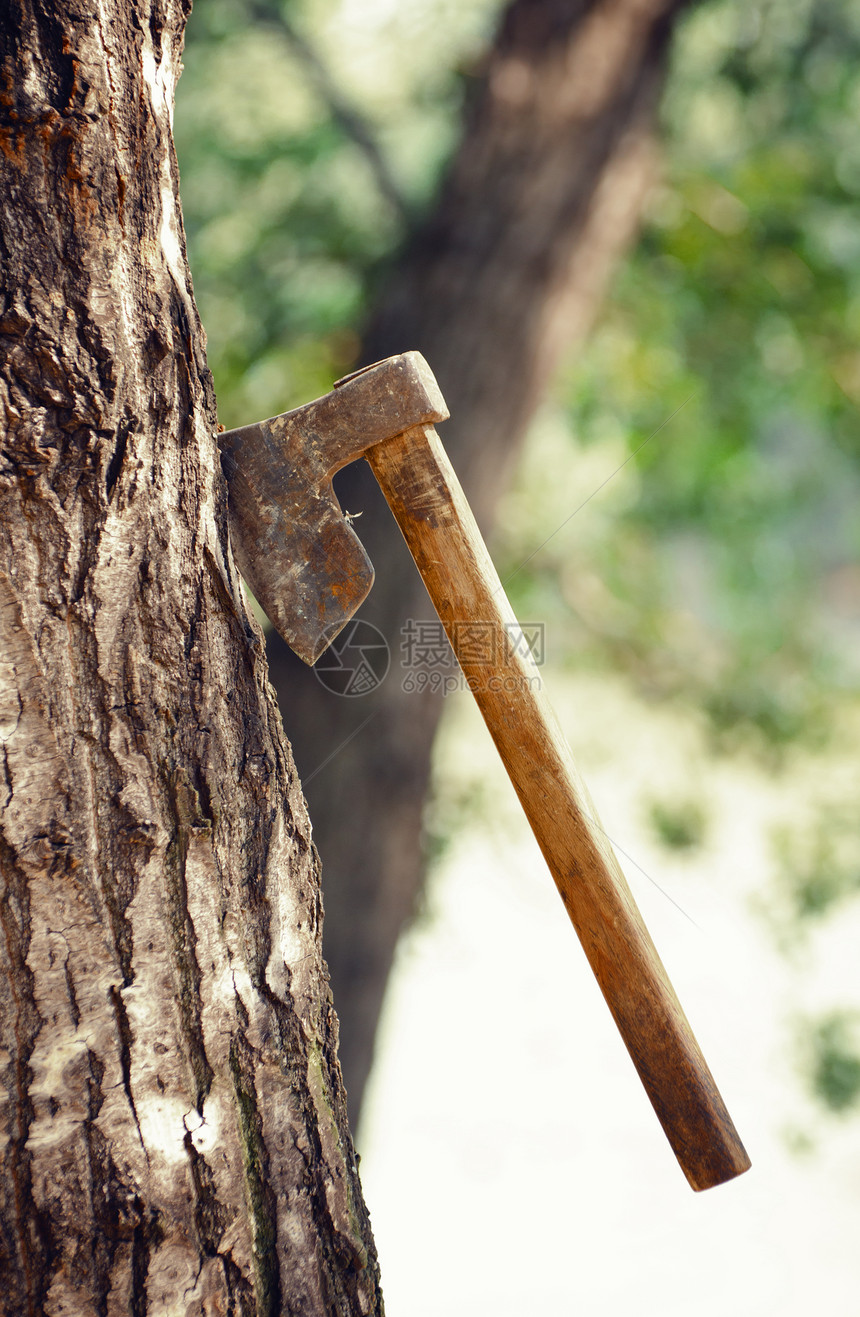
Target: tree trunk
point(541, 201)
point(173, 1126)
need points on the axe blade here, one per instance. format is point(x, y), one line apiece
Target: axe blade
point(301, 559)
point(292, 542)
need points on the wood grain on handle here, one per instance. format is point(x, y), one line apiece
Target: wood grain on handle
point(437, 523)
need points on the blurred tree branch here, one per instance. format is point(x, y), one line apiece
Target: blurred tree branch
point(348, 117)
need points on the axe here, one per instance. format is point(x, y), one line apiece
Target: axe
point(307, 567)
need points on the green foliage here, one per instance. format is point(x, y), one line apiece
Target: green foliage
point(727, 362)
point(728, 358)
point(679, 824)
point(287, 225)
point(817, 879)
point(818, 869)
point(833, 1047)
point(720, 562)
point(277, 244)
point(454, 809)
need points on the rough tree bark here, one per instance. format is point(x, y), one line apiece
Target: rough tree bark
point(540, 202)
point(172, 1120)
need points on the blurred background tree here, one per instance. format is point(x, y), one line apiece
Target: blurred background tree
point(358, 180)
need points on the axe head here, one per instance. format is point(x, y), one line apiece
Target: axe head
point(293, 545)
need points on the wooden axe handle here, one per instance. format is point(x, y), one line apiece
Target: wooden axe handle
point(440, 530)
